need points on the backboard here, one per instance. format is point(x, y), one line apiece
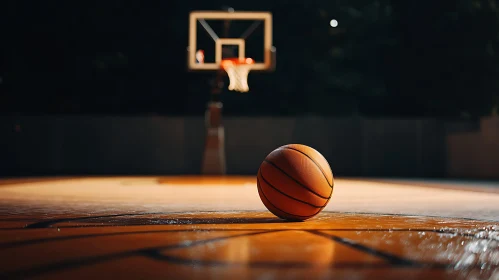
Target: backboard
point(218, 35)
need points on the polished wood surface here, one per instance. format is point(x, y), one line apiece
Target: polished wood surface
point(217, 228)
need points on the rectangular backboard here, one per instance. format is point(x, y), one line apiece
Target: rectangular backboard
point(203, 23)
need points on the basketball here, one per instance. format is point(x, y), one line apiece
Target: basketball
point(295, 182)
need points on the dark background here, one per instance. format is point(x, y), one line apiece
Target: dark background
point(386, 58)
point(399, 88)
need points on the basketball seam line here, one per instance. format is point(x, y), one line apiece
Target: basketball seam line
point(296, 181)
point(320, 168)
point(304, 202)
point(263, 193)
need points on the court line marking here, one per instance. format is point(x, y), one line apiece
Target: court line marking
point(393, 259)
point(48, 223)
point(68, 264)
point(159, 254)
point(14, 244)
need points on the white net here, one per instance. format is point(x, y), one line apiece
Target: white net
point(238, 74)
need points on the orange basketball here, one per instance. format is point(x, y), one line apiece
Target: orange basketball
point(295, 182)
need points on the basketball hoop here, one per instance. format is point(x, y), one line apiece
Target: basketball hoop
point(238, 71)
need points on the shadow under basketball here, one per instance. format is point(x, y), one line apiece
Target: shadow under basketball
point(188, 221)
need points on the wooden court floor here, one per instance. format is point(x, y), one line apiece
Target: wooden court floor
point(217, 228)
